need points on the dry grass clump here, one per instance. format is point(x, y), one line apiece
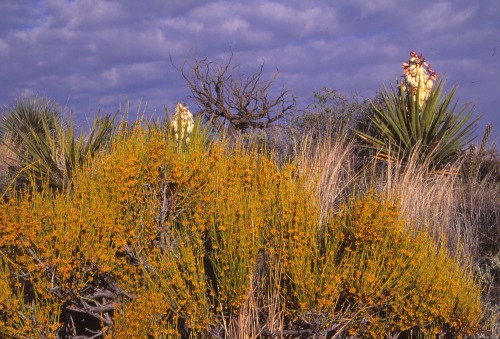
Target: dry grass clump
point(329, 166)
point(428, 199)
point(159, 237)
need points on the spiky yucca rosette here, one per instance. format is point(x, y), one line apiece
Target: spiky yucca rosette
point(416, 119)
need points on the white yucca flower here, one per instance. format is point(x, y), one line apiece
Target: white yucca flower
point(419, 77)
point(182, 123)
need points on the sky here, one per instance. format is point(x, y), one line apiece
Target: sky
point(91, 55)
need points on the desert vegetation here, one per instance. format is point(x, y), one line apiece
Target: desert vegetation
point(339, 224)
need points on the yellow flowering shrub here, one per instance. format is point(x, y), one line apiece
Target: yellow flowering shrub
point(399, 279)
point(157, 239)
point(364, 273)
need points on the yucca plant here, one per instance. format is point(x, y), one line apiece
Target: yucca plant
point(29, 114)
point(46, 144)
point(479, 162)
point(417, 121)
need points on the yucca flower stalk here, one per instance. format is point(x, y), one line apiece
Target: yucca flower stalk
point(419, 77)
point(418, 120)
point(182, 123)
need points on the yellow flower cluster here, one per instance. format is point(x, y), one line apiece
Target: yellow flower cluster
point(182, 122)
point(419, 77)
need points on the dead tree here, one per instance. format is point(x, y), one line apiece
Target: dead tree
point(232, 101)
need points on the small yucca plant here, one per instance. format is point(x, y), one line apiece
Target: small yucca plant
point(46, 144)
point(29, 114)
point(479, 162)
point(418, 120)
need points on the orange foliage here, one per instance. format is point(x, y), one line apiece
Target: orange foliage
point(163, 239)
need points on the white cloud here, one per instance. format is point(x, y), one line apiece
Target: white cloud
point(443, 15)
point(4, 48)
point(301, 20)
point(110, 77)
point(368, 6)
point(97, 52)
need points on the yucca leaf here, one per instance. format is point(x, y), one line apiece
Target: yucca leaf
point(433, 133)
point(46, 144)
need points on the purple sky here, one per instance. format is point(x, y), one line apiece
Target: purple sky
point(89, 54)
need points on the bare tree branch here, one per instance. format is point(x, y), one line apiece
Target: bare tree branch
point(232, 101)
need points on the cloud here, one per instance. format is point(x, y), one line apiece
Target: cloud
point(21, 14)
point(432, 17)
point(92, 54)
